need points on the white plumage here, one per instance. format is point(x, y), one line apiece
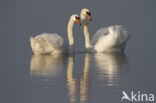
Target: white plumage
point(106, 39)
point(52, 43)
point(110, 39)
point(47, 43)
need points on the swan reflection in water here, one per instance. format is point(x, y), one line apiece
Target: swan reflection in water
point(45, 67)
point(109, 66)
point(76, 84)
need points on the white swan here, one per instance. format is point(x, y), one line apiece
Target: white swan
point(48, 43)
point(106, 39)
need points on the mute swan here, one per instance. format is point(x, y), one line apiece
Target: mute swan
point(106, 39)
point(51, 43)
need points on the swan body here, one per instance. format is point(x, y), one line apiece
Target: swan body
point(106, 39)
point(109, 39)
point(47, 43)
point(52, 43)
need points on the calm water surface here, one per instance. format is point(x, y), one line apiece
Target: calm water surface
point(85, 78)
point(78, 78)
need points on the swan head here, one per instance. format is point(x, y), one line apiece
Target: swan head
point(85, 12)
point(76, 18)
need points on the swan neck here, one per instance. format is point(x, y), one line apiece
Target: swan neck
point(86, 31)
point(70, 32)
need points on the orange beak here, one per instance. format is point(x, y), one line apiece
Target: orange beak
point(78, 21)
point(89, 17)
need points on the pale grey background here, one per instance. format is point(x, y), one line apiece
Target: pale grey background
point(19, 19)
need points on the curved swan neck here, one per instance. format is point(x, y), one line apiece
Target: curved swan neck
point(86, 31)
point(70, 34)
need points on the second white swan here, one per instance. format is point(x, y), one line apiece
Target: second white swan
point(106, 39)
point(51, 43)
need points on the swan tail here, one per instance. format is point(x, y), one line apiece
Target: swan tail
point(109, 39)
point(33, 42)
point(35, 46)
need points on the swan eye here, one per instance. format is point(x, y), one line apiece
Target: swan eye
point(88, 13)
point(77, 18)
